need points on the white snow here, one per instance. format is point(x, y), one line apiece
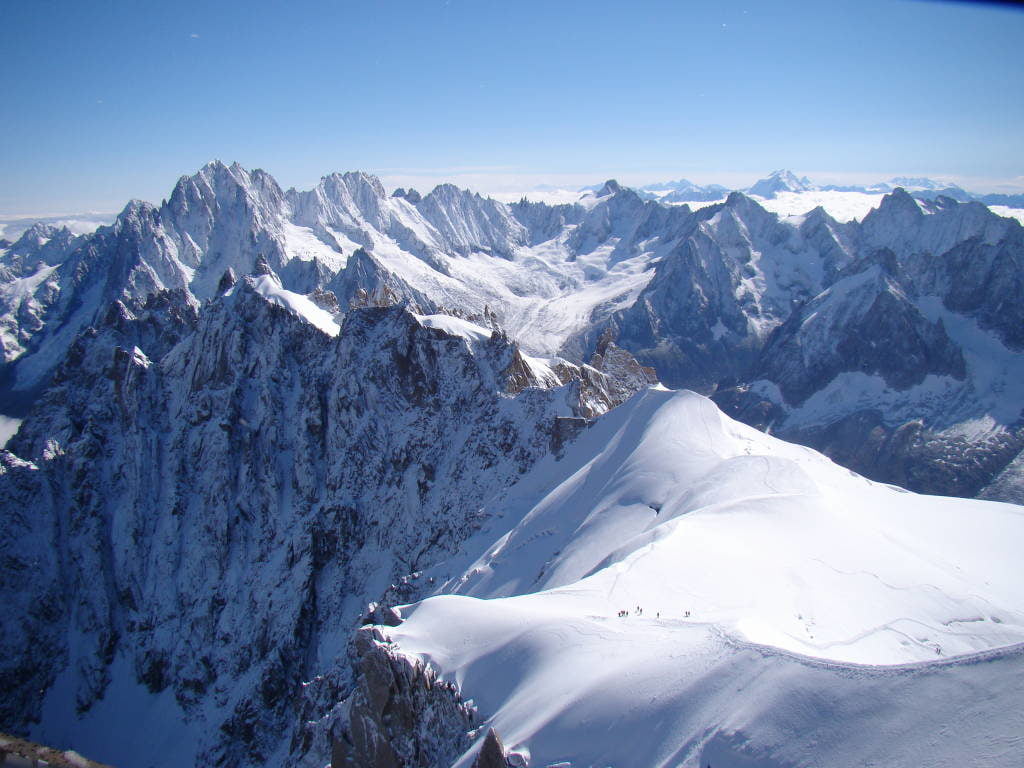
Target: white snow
point(773, 272)
point(8, 428)
point(996, 372)
point(542, 371)
point(139, 358)
point(1005, 210)
point(270, 288)
point(23, 287)
point(842, 206)
point(543, 295)
point(456, 326)
point(853, 391)
point(696, 205)
point(12, 295)
point(591, 198)
point(303, 244)
point(13, 226)
point(793, 612)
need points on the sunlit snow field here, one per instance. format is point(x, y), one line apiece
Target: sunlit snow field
point(767, 590)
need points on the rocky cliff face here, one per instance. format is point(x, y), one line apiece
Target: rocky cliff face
point(734, 277)
point(906, 367)
point(398, 714)
point(212, 497)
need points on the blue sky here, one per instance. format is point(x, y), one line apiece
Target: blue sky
point(104, 101)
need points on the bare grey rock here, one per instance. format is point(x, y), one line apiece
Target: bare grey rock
point(399, 715)
point(492, 752)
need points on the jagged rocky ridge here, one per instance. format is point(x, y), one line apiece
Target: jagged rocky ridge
point(205, 497)
point(727, 299)
point(398, 714)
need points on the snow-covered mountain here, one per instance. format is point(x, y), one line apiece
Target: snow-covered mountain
point(250, 411)
point(786, 193)
point(779, 181)
point(201, 504)
point(707, 297)
point(680, 589)
point(927, 322)
point(684, 190)
point(452, 248)
point(13, 227)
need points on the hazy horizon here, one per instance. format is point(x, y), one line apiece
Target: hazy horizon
point(509, 186)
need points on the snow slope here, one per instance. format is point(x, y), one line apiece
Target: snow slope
point(8, 428)
point(793, 613)
point(269, 287)
point(1005, 210)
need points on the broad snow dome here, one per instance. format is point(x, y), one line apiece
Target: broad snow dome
point(668, 504)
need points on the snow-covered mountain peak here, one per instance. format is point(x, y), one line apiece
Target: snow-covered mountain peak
point(902, 222)
point(595, 195)
point(134, 214)
point(746, 211)
point(217, 185)
point(355, 183)
point(39, 243)
point(899, 200)
point(818, 214)
point(36, 236)
point(448, 192)
point(917, 183)
point(742, 201)
point(779, 181)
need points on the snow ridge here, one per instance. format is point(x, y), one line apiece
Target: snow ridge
point(677, 566)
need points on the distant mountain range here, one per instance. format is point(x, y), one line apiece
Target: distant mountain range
point(683, 190)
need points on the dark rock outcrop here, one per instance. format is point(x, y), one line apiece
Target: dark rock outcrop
point(492, 752)
point(399, 715)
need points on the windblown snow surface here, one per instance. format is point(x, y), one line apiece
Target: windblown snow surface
point(793, 612)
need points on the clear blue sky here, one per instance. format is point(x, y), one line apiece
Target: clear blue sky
point(105, 100)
